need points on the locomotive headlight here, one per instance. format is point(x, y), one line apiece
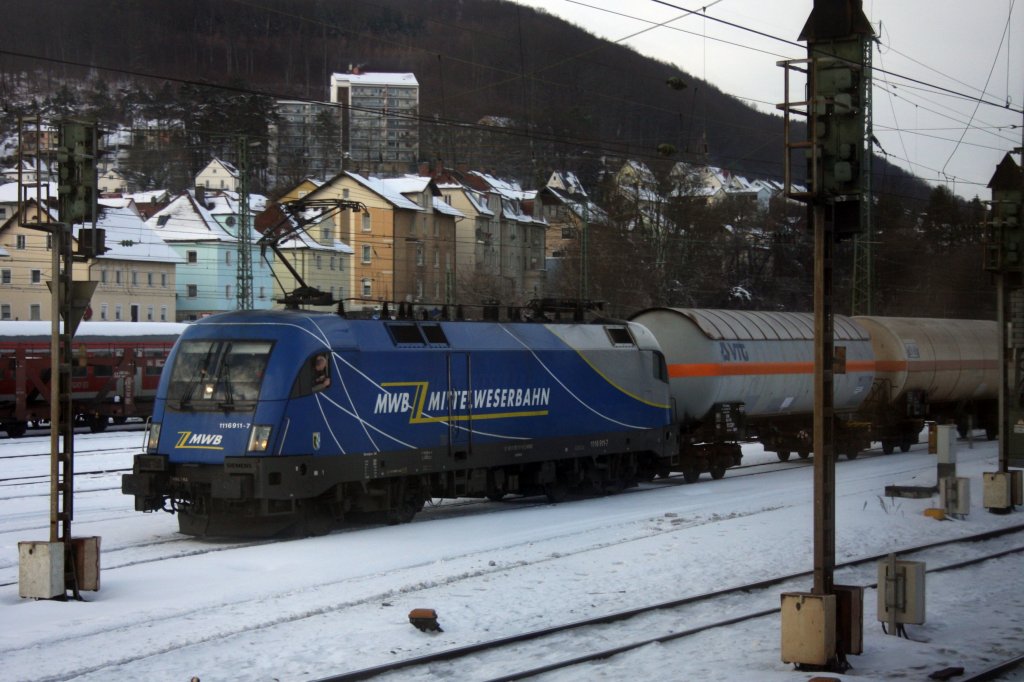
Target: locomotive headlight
point(259, 438)
point(153, 439)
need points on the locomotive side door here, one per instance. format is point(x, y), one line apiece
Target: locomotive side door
point(460, 405)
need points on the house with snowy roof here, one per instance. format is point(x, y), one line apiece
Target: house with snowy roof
point(521, 236)
point(207, 280)
point(137, 273)
point(218, 175)
point(403, 240)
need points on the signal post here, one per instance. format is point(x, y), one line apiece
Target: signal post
point(50, 569)
point(820, 627)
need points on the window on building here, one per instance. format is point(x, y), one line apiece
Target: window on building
point(344, 194)
point(103, 276)
point(117, 311)
point(193, 290)
point(104, 315)
point(319, 262)
point(227, 258)
point(5, 276)
point(5, 311)
point(367, 250)
point(19, 242)
point(149, 279)
point(163, 313)
point(419, 288)
point(366, 222)
point(334, 263)
point(437, 258)
point(37, 276)
point(35, 311)
point(325, 233)
point(367, 287)
point(192, 256)
point(163, 279)
point(227, 291)
point(149, 313)
point(135, 278)
point(117, 276)
point(49, 242)
point(419, 255)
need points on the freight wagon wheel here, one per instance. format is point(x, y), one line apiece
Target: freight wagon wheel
point(852, 454)
point(691, 474)
point(803, 454)
point(991, 432)
point(556, 492)
point(98, 423)
point(888, 446)
point(905, 445)
point(497, 496)
point(717, 471)
point(15, 429)
point(783, 455)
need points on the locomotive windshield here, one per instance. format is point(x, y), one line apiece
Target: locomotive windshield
point(218, 374)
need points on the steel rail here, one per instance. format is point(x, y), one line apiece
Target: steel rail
point(459, 652)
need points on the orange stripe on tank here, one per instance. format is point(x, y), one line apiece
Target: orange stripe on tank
point(726, 369)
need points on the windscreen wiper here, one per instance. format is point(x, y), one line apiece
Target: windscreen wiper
point(186, 397)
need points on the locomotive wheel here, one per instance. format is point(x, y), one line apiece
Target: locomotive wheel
point(718, 471)
point(783, 455)
point(888, 446)
point(15, 429)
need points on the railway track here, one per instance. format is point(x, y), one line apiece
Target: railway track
point(591, 632)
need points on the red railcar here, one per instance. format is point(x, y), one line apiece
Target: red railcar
point(115, 368)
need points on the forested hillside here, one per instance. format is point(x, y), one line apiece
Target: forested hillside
point(504, 89)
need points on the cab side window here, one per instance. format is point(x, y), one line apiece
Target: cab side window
point(315, 375)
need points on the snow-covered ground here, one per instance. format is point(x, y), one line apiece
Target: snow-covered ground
point(305, 609)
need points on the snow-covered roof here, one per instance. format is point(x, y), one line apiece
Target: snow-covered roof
point(9, 192)
point(230, 168)
point(408, 184)
point(579, 204)
point(128, 237)
point(444, 208)
point(385, 191)
point(184, 220)
point(375, 78)
point(148, 197)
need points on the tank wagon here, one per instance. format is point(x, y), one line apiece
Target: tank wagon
point(937, 369)
point(114, 372)
point(288, 421)
point(744, 375)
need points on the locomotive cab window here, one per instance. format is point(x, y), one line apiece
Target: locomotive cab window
point(315, 375)
point(216, 375)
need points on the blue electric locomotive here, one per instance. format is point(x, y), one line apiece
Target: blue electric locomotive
point(293, 421)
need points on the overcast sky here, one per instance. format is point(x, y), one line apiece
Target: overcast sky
point(959, 45)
